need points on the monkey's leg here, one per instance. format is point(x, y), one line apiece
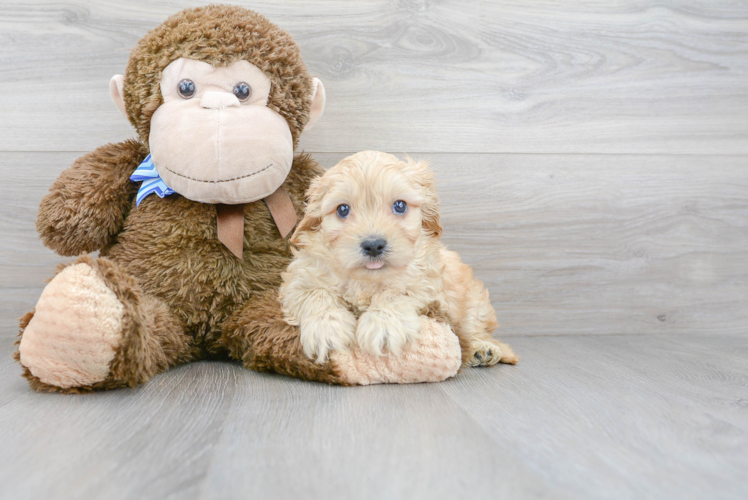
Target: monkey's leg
point(93, 328)
point(258, 336)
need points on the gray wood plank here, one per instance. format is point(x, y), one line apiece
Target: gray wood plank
point(152, 442)
point(621, 416)
point(13, 385)
point(593, 244)
point(580, 417)
point(448, 76)
point(14, 303)
point(376, 442)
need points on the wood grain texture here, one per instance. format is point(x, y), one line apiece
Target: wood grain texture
point(580, 417)
point(567, 244)
point(545, 76)
point(378, 443)
point(624, 211)
point(656, 417)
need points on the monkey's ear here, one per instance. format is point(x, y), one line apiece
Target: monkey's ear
point(115, 90)
point(318, 104)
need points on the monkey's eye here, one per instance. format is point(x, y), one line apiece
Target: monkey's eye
point(343, 211)
point(186, 88)
point(399, 207)
point(242, 91)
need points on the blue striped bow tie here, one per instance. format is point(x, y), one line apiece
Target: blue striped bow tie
point(152, 182)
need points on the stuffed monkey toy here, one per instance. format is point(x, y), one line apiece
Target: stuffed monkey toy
point(190, 220)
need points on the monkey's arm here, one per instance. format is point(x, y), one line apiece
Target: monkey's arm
point(87, 204)
point(259, 337)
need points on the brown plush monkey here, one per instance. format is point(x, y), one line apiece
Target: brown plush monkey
point(193, 244)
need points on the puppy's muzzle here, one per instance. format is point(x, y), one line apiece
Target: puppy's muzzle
point(374, 247)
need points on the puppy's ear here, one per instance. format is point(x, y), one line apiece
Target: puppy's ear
point(312, 219)
point(308, 224)
point(431, 223)
point(421, 175)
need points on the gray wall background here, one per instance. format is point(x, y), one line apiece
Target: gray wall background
point(592, 156)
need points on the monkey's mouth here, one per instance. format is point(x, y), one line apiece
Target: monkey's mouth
point(219, 180)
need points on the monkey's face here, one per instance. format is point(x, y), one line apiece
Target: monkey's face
point(234, 98)
point(214, 140)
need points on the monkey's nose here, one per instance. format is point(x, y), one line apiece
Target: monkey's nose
point(213, 99)
point(374, 247)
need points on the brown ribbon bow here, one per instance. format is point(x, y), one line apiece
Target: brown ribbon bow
point(230, 220)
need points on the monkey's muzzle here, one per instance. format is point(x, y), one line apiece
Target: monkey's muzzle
point(220, 154)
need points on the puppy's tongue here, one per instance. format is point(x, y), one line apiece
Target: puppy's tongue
point(374, 265)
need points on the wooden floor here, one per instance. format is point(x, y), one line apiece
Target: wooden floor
point(654, 417)
point(592, 160)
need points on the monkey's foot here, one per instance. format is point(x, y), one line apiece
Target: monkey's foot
point(488, 352)
point(75, 330)
point(434, 356)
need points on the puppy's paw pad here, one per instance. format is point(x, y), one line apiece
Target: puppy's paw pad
point(485, 354)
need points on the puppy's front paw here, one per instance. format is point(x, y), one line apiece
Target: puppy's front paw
point(328, 331)
point(387, 328)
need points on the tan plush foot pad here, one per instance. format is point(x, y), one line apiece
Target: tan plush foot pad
point(75, 331)
point(434, 357)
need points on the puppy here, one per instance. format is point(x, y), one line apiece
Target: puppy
point(369, 264)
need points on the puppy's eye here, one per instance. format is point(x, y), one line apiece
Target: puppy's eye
point(186, 88)
point(343, 211)
point(399, 207)
point(242, 91)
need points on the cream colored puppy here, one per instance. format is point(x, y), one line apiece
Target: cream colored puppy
point(370, 263)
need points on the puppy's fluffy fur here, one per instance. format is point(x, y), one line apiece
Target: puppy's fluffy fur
point(341, 296)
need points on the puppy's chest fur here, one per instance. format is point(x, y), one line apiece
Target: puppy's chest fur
point(358, 294)
point(427, 290)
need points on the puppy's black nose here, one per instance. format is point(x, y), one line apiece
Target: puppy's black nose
point(374, 247)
